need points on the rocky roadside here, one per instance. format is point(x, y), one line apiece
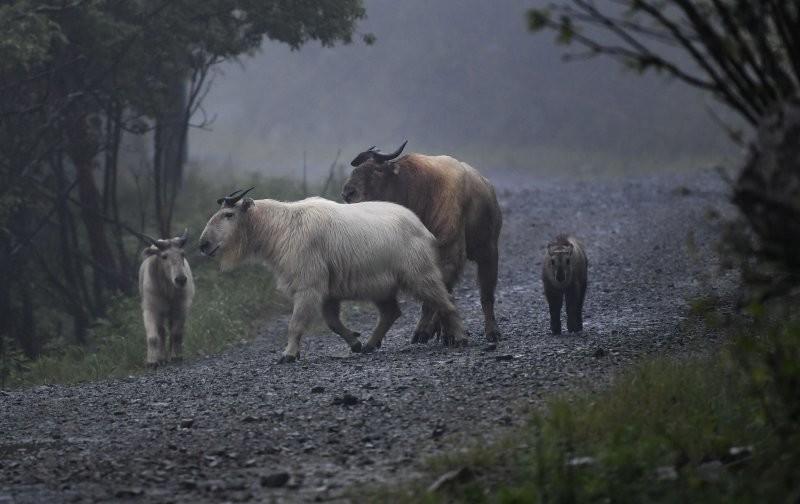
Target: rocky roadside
point(239, 427)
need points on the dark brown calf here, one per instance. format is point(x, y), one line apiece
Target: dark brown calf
point(564, 275)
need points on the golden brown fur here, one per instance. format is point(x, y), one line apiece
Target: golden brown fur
point(456, 203)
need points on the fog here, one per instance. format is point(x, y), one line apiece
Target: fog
point(463, 78)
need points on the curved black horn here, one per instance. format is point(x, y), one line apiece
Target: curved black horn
point(387, 157)
point(234, 197)
point(377, 155)
point(160, 244)
point(147, 239)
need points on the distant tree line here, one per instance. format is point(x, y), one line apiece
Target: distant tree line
point(78, 80)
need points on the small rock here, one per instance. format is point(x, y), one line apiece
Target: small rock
point(318, 389)
point(123, 493)
point(236, 484)
point(449, 479)
point(599, 353)
point(347, 400)
point(504, 357)
point(275, 480)
point(186, 423)
point(188, 484)
point(491, 347)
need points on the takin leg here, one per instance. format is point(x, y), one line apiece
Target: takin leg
point(580, 304)
point(453, 259)
point(306, 306)
point(487, 281)
point(330, 312)
point(177, 322)
point(423, 331)
point(155, 335)
point(389, 312)
point(572, 295)
point(554, 299)
point(433, 293)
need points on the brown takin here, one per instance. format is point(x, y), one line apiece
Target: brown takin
point(564, 275)
point(453, 200)
point(167, 289)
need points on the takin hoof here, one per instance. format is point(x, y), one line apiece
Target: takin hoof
point(420, 337)
point(356, 347)
point(287, 359)
point(369, 348)
point(493, 336)
point(153, 365)
point(454, 342)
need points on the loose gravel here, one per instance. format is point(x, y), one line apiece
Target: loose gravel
point(240, 427)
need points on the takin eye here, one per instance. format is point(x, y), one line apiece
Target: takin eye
point(553, 262)
point(163, 256)
point(228, 215)
point(567, 262)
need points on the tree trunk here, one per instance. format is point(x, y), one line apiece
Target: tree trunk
point(82, 149)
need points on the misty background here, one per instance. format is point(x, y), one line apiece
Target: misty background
point(461, 78)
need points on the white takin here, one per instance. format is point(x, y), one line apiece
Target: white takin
point(323, 252)
point(167, 289)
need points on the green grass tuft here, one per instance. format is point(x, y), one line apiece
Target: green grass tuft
point(722, 427)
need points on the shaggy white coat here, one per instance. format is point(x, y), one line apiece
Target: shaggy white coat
point(323, 252)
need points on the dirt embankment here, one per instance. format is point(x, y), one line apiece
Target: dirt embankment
point(239, 427)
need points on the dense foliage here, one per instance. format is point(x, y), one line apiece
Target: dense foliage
point(82, 82)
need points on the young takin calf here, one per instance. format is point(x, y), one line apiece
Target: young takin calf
point(564, 275)
point(167, 289)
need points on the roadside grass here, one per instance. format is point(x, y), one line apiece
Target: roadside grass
point(721, 427)
point(225, 311)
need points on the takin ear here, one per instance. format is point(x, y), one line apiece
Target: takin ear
point(570, 248)
point(247, 203)
point(384, 168)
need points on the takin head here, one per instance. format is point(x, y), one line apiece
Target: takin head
point(172, 256)
point(220, 230)
point(559, 256)
point(372, 173)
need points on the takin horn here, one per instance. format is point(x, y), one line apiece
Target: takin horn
point(182, 239)
point(160, 244)
point(233, 198)
point(376, 155)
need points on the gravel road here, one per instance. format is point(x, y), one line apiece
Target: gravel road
point(239, 427)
